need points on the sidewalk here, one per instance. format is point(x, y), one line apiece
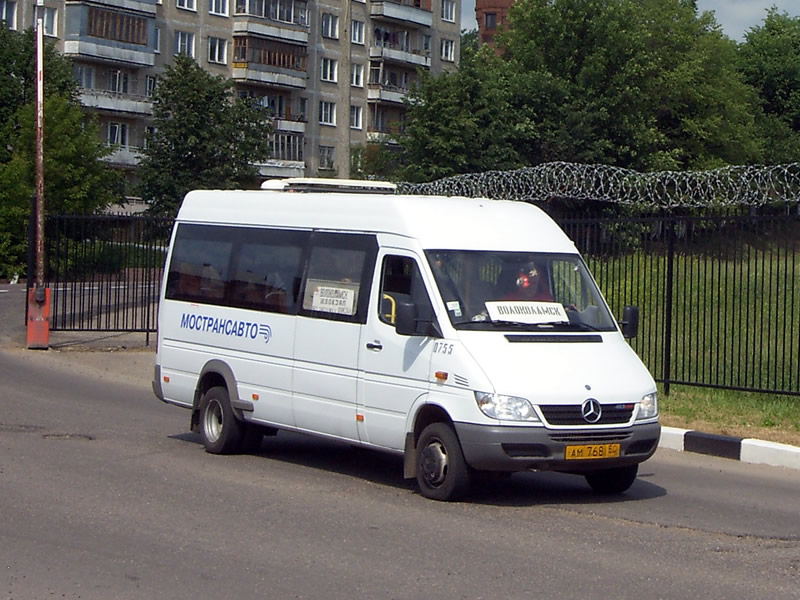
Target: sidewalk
point(129, 357)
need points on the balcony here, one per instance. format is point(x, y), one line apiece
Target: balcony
point(289, 125)
point(109, 51)
point(377, 92)
point(260, 73)
point(144, 6)
point(124, 156)
point(406, 11)
point(297, 33)
point(399, 54)
point(116, 102)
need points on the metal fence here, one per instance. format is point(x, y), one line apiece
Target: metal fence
point(104, 271)
point(719, 295)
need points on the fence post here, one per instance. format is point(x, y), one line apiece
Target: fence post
point(669, 292)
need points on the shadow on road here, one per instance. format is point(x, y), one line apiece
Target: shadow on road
point(517, 490)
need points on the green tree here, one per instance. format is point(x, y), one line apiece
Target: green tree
point(204, 137)
point(769, 58)
point(76, 179)
point(645, 84)
point(462, 121)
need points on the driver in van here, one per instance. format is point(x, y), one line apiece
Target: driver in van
point(531, 284)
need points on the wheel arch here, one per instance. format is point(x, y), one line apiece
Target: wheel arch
point(218, 373)
point(425, 413)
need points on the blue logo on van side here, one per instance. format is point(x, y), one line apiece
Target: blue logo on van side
point(229, 327)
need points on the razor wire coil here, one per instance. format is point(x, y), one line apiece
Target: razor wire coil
point(723, 187)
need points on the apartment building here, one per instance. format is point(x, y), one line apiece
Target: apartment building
point(333, 72)
point(491, 16)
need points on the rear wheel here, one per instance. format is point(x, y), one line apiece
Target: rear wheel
point(221, 431)
point(442, 472)
point(612, 481)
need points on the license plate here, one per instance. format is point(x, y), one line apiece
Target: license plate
point(591, 451)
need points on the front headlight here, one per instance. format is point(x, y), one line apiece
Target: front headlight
point(648, 407)
point(505, 408)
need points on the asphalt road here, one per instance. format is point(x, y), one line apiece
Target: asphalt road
point(104, 494)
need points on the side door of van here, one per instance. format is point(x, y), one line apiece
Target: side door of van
point(333, 308)
point(395, 369)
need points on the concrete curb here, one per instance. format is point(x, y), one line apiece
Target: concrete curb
point(742, 449)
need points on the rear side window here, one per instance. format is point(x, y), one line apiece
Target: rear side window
point(340, 267)
point(244, 267)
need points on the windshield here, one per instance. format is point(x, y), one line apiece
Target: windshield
point(518, 290)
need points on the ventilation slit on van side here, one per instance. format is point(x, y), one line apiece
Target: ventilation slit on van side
point(461, 380)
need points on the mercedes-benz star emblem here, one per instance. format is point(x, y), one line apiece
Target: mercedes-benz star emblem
point(591, 410)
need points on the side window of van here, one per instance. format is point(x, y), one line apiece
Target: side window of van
point(243, 267)
point(199, 267)
point(401, 282)
point(337, 280)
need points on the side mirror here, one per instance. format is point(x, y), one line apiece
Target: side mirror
point(630, 322)
point(407, 323)
point(405, 319)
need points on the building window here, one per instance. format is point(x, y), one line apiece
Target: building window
point(269, 52)
point(84, 75)
point(149, 132)
point(150, 83)
point(330, 26)
point(491, 20)
point(119, 82)
point(448, 50)
point(327, 113)
point(357, 75)
point(355, 117)
point(328, 69)
point(357, 32)
point(286, 146)
point(157, 40)
point(217, 50)
point(449, 11)
point(118, 134)
point(185, 4)
point(184, 43)
point(8, 13)
point(49, 21)
point(117, 26)
point(218, 7)
point(327, 155)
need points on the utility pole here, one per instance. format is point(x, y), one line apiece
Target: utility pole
point(39, 296)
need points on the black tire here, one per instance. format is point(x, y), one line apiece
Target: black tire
point(442, 472)
point(220, 430)
point(612, 481)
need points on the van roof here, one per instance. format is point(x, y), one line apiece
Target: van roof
point(438, 222)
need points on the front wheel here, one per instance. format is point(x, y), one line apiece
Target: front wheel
point(221, 431)
point(612, 481)
point(442, 472)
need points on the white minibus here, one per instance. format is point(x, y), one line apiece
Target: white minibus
point(465, 335)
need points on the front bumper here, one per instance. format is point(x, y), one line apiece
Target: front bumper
point(503, 448)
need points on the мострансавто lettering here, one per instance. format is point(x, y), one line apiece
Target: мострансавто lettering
point(229, 327)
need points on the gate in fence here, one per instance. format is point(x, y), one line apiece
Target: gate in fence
point(104, 271)
point(719, 294)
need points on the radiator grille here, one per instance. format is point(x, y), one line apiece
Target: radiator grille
point(612, 414)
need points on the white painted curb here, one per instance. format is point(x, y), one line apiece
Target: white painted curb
point(770, 453)
point(672, 438)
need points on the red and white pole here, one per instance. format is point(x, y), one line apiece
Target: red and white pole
point(39, 296)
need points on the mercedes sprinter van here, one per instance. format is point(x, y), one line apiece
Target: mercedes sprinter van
point(466, 335)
